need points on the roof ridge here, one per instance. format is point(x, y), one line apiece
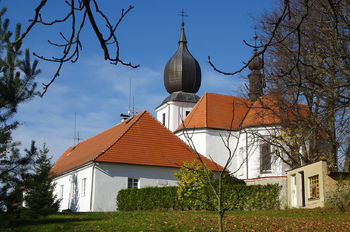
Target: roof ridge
point(117, 139)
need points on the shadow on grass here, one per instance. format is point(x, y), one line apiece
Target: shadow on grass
point(54, 219)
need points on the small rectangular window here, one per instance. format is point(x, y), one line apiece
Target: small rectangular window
point(187, 112)
point(265, 157)
point(61, 192)
point(133, 183)
point(83, 187)
point(314, 187)
point(240, 162)
point(163, 119)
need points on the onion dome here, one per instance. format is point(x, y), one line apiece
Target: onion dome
point(256, 78)
point(182, 72)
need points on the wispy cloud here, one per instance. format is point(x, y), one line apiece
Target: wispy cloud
point(96, 92)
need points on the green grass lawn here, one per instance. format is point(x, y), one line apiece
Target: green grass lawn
point(284, 220)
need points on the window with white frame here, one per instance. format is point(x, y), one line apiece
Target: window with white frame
point(265, 158)
point(133, 183)
point(83, 187)
point(163, 119)
point(61, 192)
point(240, 162)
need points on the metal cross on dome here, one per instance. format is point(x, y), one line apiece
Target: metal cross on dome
point(183, 14)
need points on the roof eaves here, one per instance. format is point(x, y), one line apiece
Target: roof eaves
point(203, 128)
point(87, 163)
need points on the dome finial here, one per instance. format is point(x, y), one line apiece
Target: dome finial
point(183, 14)
point(255, 37)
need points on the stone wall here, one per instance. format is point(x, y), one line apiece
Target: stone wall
point(281, 180)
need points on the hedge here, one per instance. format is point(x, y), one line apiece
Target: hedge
point(244, 197)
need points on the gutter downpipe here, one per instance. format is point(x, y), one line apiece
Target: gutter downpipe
point(92, 184)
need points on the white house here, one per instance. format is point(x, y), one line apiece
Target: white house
point(139, 152)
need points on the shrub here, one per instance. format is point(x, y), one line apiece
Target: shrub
point(242, 197)
point(149, 198)
point(340, 197)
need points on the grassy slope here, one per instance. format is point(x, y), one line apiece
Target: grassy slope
point(286, 220)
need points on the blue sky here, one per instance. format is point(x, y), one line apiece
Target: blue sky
point(98, 92)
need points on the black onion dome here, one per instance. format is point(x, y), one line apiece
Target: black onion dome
point(182, 72)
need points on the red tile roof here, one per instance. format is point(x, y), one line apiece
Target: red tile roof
point(232, 113)
point(140, 140)
point(217, 111)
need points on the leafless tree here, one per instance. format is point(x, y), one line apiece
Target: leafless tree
point(305, 49)
point(79, 12)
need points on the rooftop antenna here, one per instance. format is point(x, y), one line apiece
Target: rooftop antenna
point(76, 138)
point(129, 113)
point(133, 106)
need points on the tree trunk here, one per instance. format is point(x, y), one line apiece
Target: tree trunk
point(347, 159)
point(221, 225)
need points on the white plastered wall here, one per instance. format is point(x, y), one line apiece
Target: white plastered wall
point(75, 200)
point(111, 178)
point(246, 163)
point(175, 113)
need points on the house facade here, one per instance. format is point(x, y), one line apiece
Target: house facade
point(138, 152)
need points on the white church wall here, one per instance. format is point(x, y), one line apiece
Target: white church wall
point(174, 113)
point(250, 138)
point(74, 189)
point(209, 143)
point(198, 137)
point(246, 162)
point(111, 178)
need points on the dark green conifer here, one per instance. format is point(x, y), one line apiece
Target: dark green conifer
point(17, 85)
point(39, 198)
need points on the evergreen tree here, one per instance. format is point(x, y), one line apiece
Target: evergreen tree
point(16, 86)
point(39, 196)
point(16, 169)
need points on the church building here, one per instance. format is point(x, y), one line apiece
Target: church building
point(143, 151)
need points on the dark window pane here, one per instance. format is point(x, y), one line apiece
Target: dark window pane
point(265, 157)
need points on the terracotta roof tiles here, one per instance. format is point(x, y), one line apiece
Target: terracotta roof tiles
point(217, 111)
point(225, 112)
point(140, 140)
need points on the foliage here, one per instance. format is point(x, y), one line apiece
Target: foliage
point(178, 221)
point(16, 86)
point(193, 183)
point(16, 80)
point(39, 197)
point(339, 198)
point(149, 198)
point(15, 169)
point(252, 197)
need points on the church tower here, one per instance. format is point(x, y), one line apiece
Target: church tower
point(256, 78)
point(182, 80)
